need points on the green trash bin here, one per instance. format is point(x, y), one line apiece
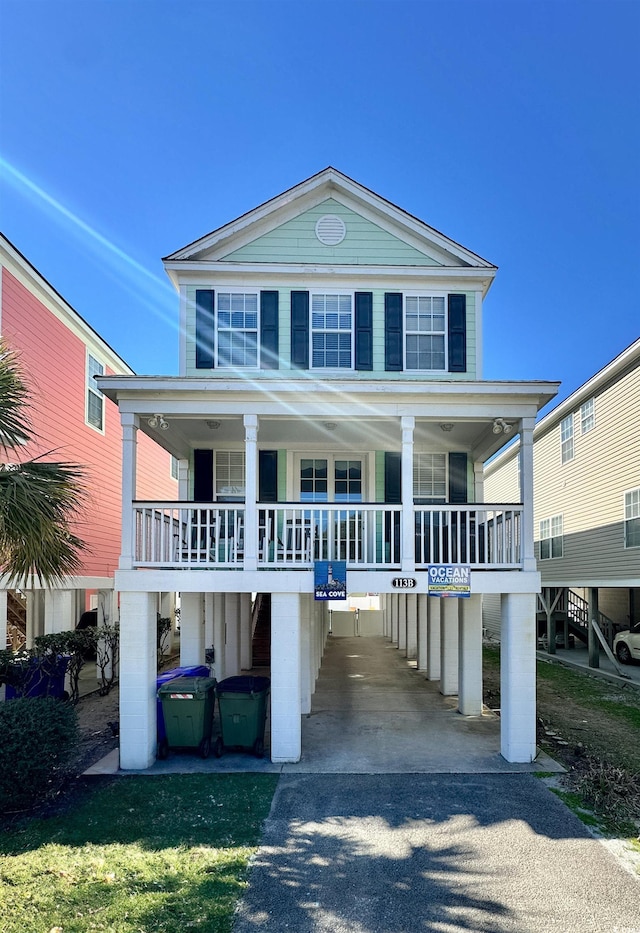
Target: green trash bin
point(187, 708)
point(242, 707)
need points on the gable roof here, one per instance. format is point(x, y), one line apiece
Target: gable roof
point(329, 183)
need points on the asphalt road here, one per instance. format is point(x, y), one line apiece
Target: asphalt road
point(407, 853)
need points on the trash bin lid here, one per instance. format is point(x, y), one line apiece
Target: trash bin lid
point(243, 684)
point(187, 688)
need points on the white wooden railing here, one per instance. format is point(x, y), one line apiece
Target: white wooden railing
point(292, 535)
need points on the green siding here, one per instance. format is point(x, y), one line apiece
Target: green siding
point(364, 243)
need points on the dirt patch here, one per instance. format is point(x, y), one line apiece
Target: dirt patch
point(98, 723)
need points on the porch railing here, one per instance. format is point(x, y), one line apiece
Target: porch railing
point(294, 535)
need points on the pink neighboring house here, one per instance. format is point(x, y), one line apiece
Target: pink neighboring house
point(61, 354)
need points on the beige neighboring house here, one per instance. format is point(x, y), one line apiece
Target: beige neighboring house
point(586, 455)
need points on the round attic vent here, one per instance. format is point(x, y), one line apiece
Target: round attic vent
point(331, 230)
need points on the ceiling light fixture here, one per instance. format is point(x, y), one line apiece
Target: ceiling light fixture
point(330, 425)
point(157, 421)
point(446, 426)
point(500, 426)
point(214, 425)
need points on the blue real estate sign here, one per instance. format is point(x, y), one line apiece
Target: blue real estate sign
point(330, 579)
point(449, 580)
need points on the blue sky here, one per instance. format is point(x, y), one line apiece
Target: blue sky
point(130, 128)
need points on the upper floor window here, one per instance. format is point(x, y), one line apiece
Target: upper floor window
point(632, 518)
point(587, 416)
point(551, 537)
point(95, 398)
point(566, 438)
point(425, 332)
point(237, 330)
point(429, 476)
point(332, 331)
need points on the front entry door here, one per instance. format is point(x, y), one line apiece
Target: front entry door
point(335, 479)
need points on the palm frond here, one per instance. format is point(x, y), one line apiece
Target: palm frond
point(15, 427)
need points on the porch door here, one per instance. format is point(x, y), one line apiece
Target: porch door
point(335, 479)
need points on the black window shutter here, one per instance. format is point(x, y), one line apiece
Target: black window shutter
point(203, 475)
point(267, 475)
point(300, 330)
point(269, 330)
point(457, 478)
point(457, 333)
point(393, 332)
point(364, 330)
point(205, 329)
point(392, 477)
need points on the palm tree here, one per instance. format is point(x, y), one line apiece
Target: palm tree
point(38, 499)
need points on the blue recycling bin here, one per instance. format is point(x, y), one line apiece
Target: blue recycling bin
point(198, 670)
point(44, 678)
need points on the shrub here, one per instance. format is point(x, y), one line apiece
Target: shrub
point(613, 792)
point(37, 738)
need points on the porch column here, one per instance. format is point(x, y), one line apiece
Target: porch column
point(386, 607)
point(518, 677)
point(191, 630)
point(402, 623)
point(526, 493)
point(411, 601)
point(218, 635)
point(286, 741)
point(408, 522)
point(130, 424)
point(232, 634)
point(423, 621)
point(394, 618)
point(137, 680)
point(433, 637)
point(59, 611)
point(35, 616)
point(246, 652)
point(306, 662)
point(251, 492)
point(470, 662)
point(449, 646)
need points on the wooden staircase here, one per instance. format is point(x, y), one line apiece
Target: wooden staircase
point(571, 614)
point(16, 620)
point(261, 641)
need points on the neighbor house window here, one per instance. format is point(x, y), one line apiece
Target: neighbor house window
point(425, 328)
point(229, 475)
point(175, 467)
point(588, 416)
point(566, 438)
point(95, 398)
point(430, 476)
point(551, 537)
point(237, 327)
point(632, 518)
point(332, 331)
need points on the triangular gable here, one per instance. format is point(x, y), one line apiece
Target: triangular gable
point(391, 225)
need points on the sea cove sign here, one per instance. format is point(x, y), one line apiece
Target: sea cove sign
point(449, 580)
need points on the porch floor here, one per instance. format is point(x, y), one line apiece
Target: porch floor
point(372, 713)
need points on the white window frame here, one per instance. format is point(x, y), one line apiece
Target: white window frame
point(93, 390)
point(631, 514)
point(407, 333)
point(231, 491)
point(331, 458)
point(567, 435)
point(244, 330)
point(174, 467)
point(316, 293)
point(418, 492)
point(552, 530)
point(587, 416)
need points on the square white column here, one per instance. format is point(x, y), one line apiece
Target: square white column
point(285, 677)
point(232, 634)
point(59, 611)
point(191, 630)
point(433, 638)
point(402, 623)
point(138, 672)
point(394, 618)
point(470, 656)
point(219, 668)
point(306, 661)
point(449, 646)
point(411, 602)
point(518, 677)
point(422, 623)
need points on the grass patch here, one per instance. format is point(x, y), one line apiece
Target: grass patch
point(161, 854)
point(576, 805)
point(591, 693)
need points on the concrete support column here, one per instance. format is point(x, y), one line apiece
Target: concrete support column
point(35, 616)
point(219, 636)
point(137, 680)
point(306, 664)
point(433, 638)
point(470, 656)
point(208, 621)
point(59, 611)
point(232, 634)
point(286, 740)
point(408, 554)
point(246, 654)
point(449, 646)
point(191, 630)
point(402, 623)
point(423, 622)
point(394, 618)
point(518, 677)
point(411, 602)
point(386, 606)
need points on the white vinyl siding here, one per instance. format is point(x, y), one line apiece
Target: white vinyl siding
point(566, 439)
point(94, 397)
point(632, 518)
point(551, 543)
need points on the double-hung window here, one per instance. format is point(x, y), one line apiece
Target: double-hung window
point(632, 518)
point(95, 398)
point(551, 534)
point(332, 331)
point(229, 476)
point(429, 477)
point(587, 416)
point(425, 332)
point(237, 327)
point(566, 439)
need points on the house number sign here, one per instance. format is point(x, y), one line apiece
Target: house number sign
point(404, 583)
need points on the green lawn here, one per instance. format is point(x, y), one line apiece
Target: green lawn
point(141, 855)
